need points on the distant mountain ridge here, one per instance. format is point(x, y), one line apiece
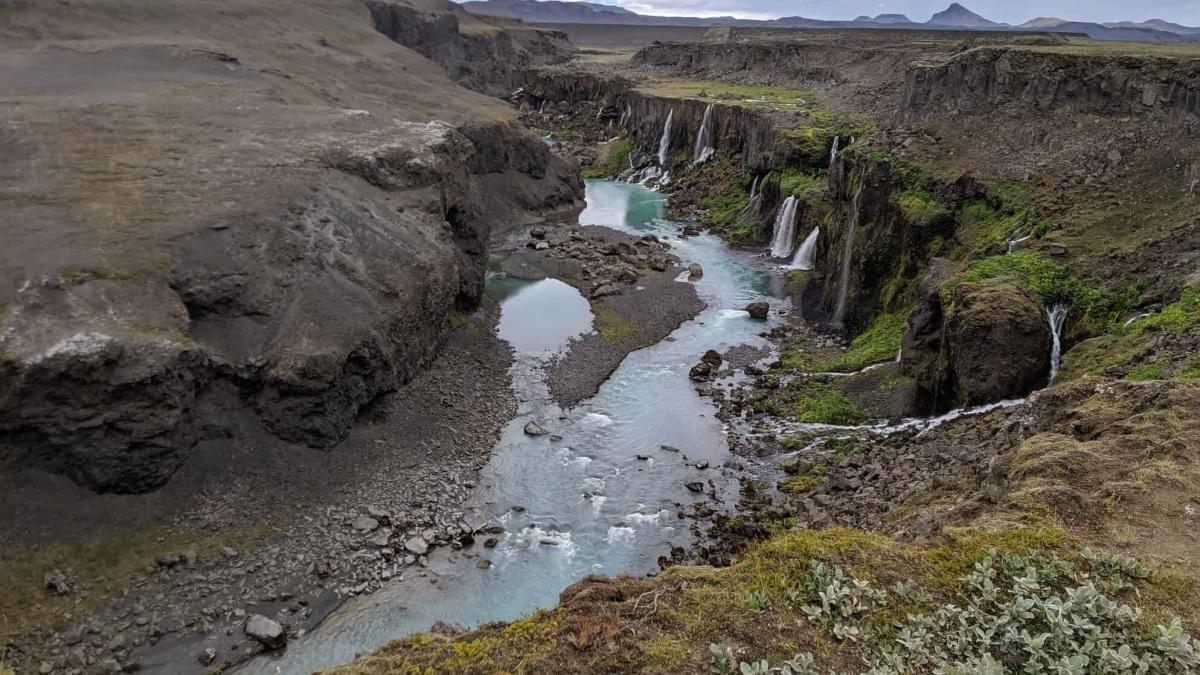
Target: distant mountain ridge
point(960, 17)
point(954, 17)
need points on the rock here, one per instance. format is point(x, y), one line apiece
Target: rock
point(604, 290)
point(998, 342)
point(380, 539)
point(364, 523)
point(532, 428)
point(695, 271)
point(538, 232)
point(483, 563)
point(56, 580)
point(702, 464)
point(416, 545)
point(207, 657)
point(758, 310)
point(491, 542)
point(541, 246)
point(643, 458)
point(713, 358)
point(267, 632)
point(700, 372)
point(377, 513)
point(695, 486)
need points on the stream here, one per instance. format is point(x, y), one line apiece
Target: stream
point(578, 501)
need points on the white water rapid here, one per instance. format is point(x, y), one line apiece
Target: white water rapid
point(785, 229)
point(704, 149)
point(664, 143)
point(839, 312)
point(804, 259)
point(1056, 316)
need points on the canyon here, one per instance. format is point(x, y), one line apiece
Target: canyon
point(314, 334)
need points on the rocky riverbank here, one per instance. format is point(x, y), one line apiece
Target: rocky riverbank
point(631, 283)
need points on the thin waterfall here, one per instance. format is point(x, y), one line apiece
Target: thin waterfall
point(804, 256)
point(785, 229)
point(839, 311)
point(1056, 316)
point(900, 355)
point(625, 115)
point(754, 188)
point(704, 149)
point(834, 152)
point(542, 107)
point(664, 143)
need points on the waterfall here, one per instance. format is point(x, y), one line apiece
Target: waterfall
point(625, 115)
point(1056, 316)
point(542, 107)
point(834, 151)
point(664, 143)
point(804, 256)
point(1134, 319)
point(839, 311)
point(900, 355)
point(785, 229)
point(1018, 244)
point(704, 149)
point(754, 188)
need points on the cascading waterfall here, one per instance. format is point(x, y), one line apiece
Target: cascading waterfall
point(704, 149)
point(1056, 316)
point(839, 311)
point(625, 115)
point(804, 256)
point(754, 189)
point(785, 229)
point(664, 143)
point(833, 153)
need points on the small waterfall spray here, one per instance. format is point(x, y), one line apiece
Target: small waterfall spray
point(664, 143)
point(785, 229)
point(833, 153)
point(839, 311)
point(704, 149)
point(754, 188)
point(1056, 316)
point(804, 255)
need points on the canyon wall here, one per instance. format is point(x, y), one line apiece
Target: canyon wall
point(1024, 80)
point(271, 252)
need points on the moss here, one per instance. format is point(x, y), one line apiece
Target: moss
point(1178, 317)
point(802, 185)
point(921, 209)
point(1052, 283)
point(723, 209)
point(610, 324)
point(806, 481)
point(618, 159)
point(827, 406)
point(1191, 371)
point(1150, 371)
point(879, 342)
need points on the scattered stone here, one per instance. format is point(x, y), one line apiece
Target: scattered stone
point(416, 545)
point(538, 233)
point(534, 429)
point(364, 523)
point(380, 539)
point(702, 464)
point(56, 580)
point(207, 657)
point(700, 372)
point(643, 458)
point(491, 542)
point(758, 310)
point(669, 448)
point(695, 486)
point(695, 271)
point(483, 563)
point(713, 358)
point(267, 632)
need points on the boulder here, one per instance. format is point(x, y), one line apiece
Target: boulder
point(416, 545)
point(712, 358)
point(701, 371)
point(267, 632)
point(532, 428)
point(997, 341)
point(758, 310)
point(695, 271)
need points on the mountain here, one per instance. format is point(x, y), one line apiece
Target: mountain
point(1156, 24)
point(554, 11)
point(1043, 22)
point(959, 16)
point(892, 18)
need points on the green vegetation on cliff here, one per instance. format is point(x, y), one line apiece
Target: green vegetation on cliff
point(879, 342)
point(618, 160)
point(1052, 283)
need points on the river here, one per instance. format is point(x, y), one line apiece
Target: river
point(581, 500)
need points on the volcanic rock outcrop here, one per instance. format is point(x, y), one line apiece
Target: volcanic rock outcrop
point(232, 230)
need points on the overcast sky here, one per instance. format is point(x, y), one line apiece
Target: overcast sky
point(1009, 11)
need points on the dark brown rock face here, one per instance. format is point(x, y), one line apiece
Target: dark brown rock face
point(990, 344)
point(248, 270)
point(490, 61)
point(1022, 81)
point(998, 342)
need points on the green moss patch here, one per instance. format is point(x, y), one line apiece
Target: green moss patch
point(879, 342)
point(618, 160)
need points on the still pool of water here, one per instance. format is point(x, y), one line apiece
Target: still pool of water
point(585, 502)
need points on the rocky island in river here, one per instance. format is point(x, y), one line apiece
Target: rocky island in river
point(390, 337)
